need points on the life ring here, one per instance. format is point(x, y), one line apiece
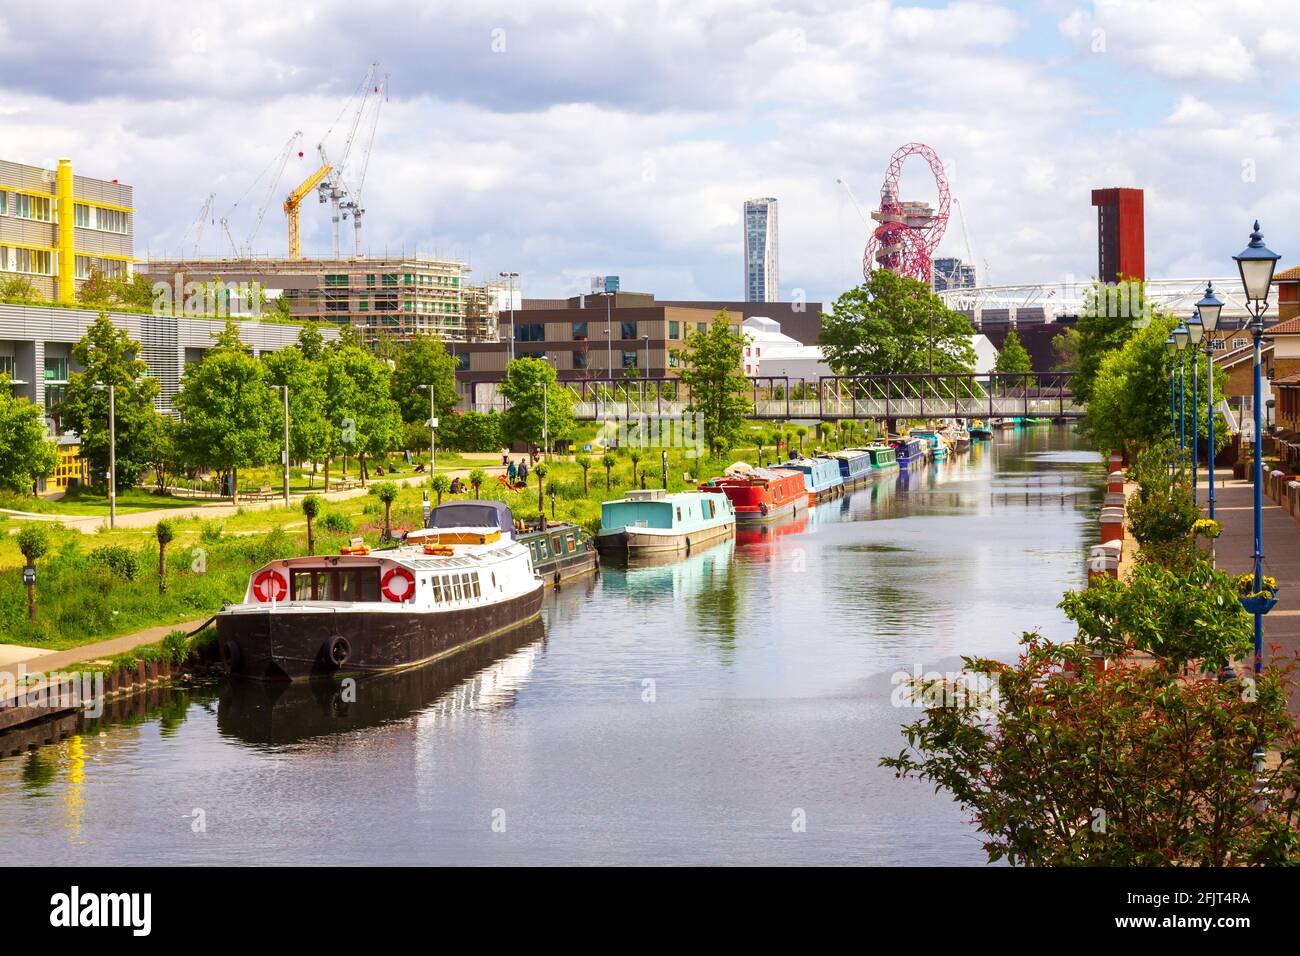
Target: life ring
point(407, 593)
point(338, 651)
point(279, 587)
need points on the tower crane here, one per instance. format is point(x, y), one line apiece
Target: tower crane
point(331, 186)
point(272, 175)
point(295, 199)
point(353, 205)
point(205, 213)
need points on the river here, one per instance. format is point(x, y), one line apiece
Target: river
point(727, 708)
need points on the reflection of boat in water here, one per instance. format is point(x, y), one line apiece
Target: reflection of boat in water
point(486, 674)
point(757, 534)
point(653, 575)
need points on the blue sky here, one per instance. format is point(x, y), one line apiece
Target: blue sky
point(563, 139)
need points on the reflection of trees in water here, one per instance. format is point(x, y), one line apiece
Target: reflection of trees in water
point(717, 607)
point(40, 768)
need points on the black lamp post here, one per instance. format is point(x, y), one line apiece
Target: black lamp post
point(1195, 332)
point(1209, 309)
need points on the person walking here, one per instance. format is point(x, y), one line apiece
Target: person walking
point(511, 470)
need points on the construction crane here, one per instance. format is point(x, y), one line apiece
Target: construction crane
point(354, 205)
point(332, 187)
point(295, 200)
point(272, 175)
point(205, 213)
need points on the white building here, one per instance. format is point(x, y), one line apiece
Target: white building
point(761, 274)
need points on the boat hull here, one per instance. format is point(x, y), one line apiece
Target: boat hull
point(775, 513)
point(294, 642)
point(637, 541)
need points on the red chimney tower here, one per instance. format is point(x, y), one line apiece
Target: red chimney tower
point(1121, 237)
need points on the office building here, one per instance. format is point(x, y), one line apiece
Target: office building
point(56, 228)
point(761, 272)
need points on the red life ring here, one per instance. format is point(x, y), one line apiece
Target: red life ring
point(279, 587)
point(408, 592)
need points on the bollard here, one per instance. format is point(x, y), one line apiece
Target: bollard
point(1115, 482)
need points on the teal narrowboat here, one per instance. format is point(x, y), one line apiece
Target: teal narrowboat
point(651, 520)
point(821, 476)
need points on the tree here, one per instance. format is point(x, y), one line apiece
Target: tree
point(228, 412)
point(310, 342)
point(26, 453)
point(893, 325)
point(165, 534)
point(584, 463)
point(1012, 357)
point(476, 479)
point(523, 388)
point(609, 461)
point(108, 356)
point(801, 432)
point(440, 484)
point(311, 508)
point(541, 472)
point(18, 289)
point(96, 290)
point(33, 542)
point(1110, 315)
point(1065, 347)
point(386, 491)
point(363, 417)
point(136, 292)
point(635, 456)
point(420, 362)
point(158, 441)
point(711, 367)
point(1130, 765)
point(309, 429)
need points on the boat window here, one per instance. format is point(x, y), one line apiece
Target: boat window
point(334, 584)
point(571, 543)
point(478, 592)
point(557, 546)
point(494, 579)
point(437, 590)
point(458, 589)
point(679, 513)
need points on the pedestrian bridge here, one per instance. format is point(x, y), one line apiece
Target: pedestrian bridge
point(830, 397)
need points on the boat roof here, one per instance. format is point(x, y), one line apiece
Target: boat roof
point(472, 514)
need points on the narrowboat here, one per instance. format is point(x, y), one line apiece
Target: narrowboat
point(938, 444)
point(909, 452)
point(362, 612)
point(821, 476)
point(957, 436)
point(882, 457)
point(652, 520)
point(760, 494)
point(979, 431)
point(855, 466)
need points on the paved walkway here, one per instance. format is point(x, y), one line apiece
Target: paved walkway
point(90, 524)
point(1234, 548)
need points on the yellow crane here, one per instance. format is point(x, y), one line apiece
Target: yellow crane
point(295, 200)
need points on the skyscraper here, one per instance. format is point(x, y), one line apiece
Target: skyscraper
point(761, 282)
point(1121, 252)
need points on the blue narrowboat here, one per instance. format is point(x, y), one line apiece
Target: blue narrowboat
point(938, 444)
point(855, 466)
point(821, 476)
point(909, 451)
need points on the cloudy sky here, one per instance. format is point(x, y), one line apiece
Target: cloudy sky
point(567, 138)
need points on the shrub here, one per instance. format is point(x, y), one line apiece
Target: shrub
point(33, 542)
point(472, 431)
point(336, 522)
point(176, 647)
point(119, 559)
point(211, 531)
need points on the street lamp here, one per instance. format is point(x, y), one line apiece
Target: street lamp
point(1209, 309)
point(112, 452)
point(546, 412)
point(1195, 332)
point(1180, 341)
point(433, 431)
point(1171, 346)
point(510, 277)
point(646, 340)
point(1256, 263)
point(285, 390)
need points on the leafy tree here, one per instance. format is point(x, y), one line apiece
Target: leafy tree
point(161, 450)
point(476, 479)
point(711, 367)
point(311, 506)
point(26, 453)
point(584, 463)
point(33, 542)
point(364, 420)
point(892, 325)
point(310, 342)
point(523, 421)
point(165, 533)
point(18, 289)
point(635, 456)
point(309, 429)
point(802, 433)
point(136, 292)
point(609, 461)
point(1012, 357)
point(1065, 347)
point(440, 484)
point(228, 413)
point(541, 471)
point(96, 290)
point(108, 356)
point(1110, 316)
point(423, 361)
point(386, 491)
point(1130, 765)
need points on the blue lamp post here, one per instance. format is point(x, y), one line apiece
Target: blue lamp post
point(1180, 342)
point(1256, 263)
point(1171, 346)
point(1209, 309)
point(1195, 332)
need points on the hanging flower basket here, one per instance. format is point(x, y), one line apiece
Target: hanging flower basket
point(1257, 602)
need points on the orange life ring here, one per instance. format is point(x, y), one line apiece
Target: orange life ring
point(408, 592)
point(279, 587)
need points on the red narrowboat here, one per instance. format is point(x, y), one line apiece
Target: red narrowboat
point(760, 494)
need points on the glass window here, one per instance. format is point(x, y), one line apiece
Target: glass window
point(629, 359)
point(530, 332)
point(437, 590)
point(81, 215)
point(674, 330)
point(478, 588)
point(56, 369)
point(627, 330)
point(579, 359)
point(457, 587)
point(579, 331)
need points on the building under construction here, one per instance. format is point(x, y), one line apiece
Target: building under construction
point(404, 297)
